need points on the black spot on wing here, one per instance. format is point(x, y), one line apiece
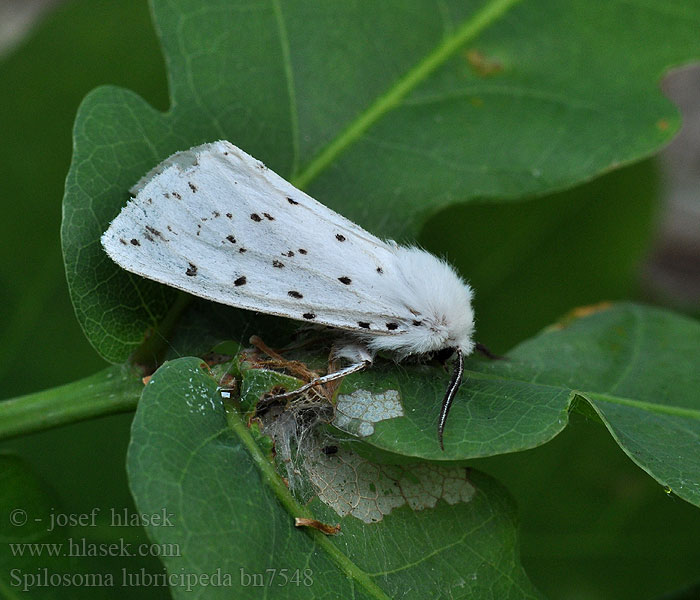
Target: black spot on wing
point(240, 281)
point(135, 242)
point(309, 315)
point(242, 250)
point(339, 237)
point(392, 326)
point(177, 195)
point(291, 201)
point(380, 270)
point(363, 324)
point(289, 253)
point(229, 215)
point(193, 187)
point(302, 251)
point(294, 294)
point(277, 263)
point(256, 217)
point(155, 232)
point(345, 280)
point(123, 241)
point(268, 216)
point(231, 239)
point(192, 270)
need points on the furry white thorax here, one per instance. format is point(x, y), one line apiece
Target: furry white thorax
point(431, 290)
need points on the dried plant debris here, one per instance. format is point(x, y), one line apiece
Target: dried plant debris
point(293, 428)
point(315, 524)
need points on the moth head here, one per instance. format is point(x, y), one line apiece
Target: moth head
point(454, 307)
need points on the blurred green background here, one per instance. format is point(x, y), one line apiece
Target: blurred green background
point(587, 532)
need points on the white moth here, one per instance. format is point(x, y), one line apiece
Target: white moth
point(217, 223)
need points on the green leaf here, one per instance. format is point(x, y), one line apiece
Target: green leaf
point(594, 525)
point(51, 553)
point(635, 366)
point(687, 593)
point(200, 465)
point(448, 103)
point(27, 505)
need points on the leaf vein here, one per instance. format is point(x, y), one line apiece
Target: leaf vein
point(395, 94)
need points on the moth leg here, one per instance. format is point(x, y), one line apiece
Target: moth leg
point(487, 353)
point(339, 374)
point(356, 353)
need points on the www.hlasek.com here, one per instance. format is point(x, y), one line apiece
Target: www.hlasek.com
point(81, 547)
point(44, 578)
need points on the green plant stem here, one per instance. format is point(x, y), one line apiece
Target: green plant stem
point(272, 478)
point(115, 389)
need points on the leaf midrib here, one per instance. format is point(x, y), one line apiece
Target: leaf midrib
point(392, 97)
point(665, 409)
point(361, 578)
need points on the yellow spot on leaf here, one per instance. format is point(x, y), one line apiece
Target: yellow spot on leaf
point(481, 64)
point(579, 313)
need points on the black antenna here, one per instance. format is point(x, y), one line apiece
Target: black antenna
point(452, 390)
